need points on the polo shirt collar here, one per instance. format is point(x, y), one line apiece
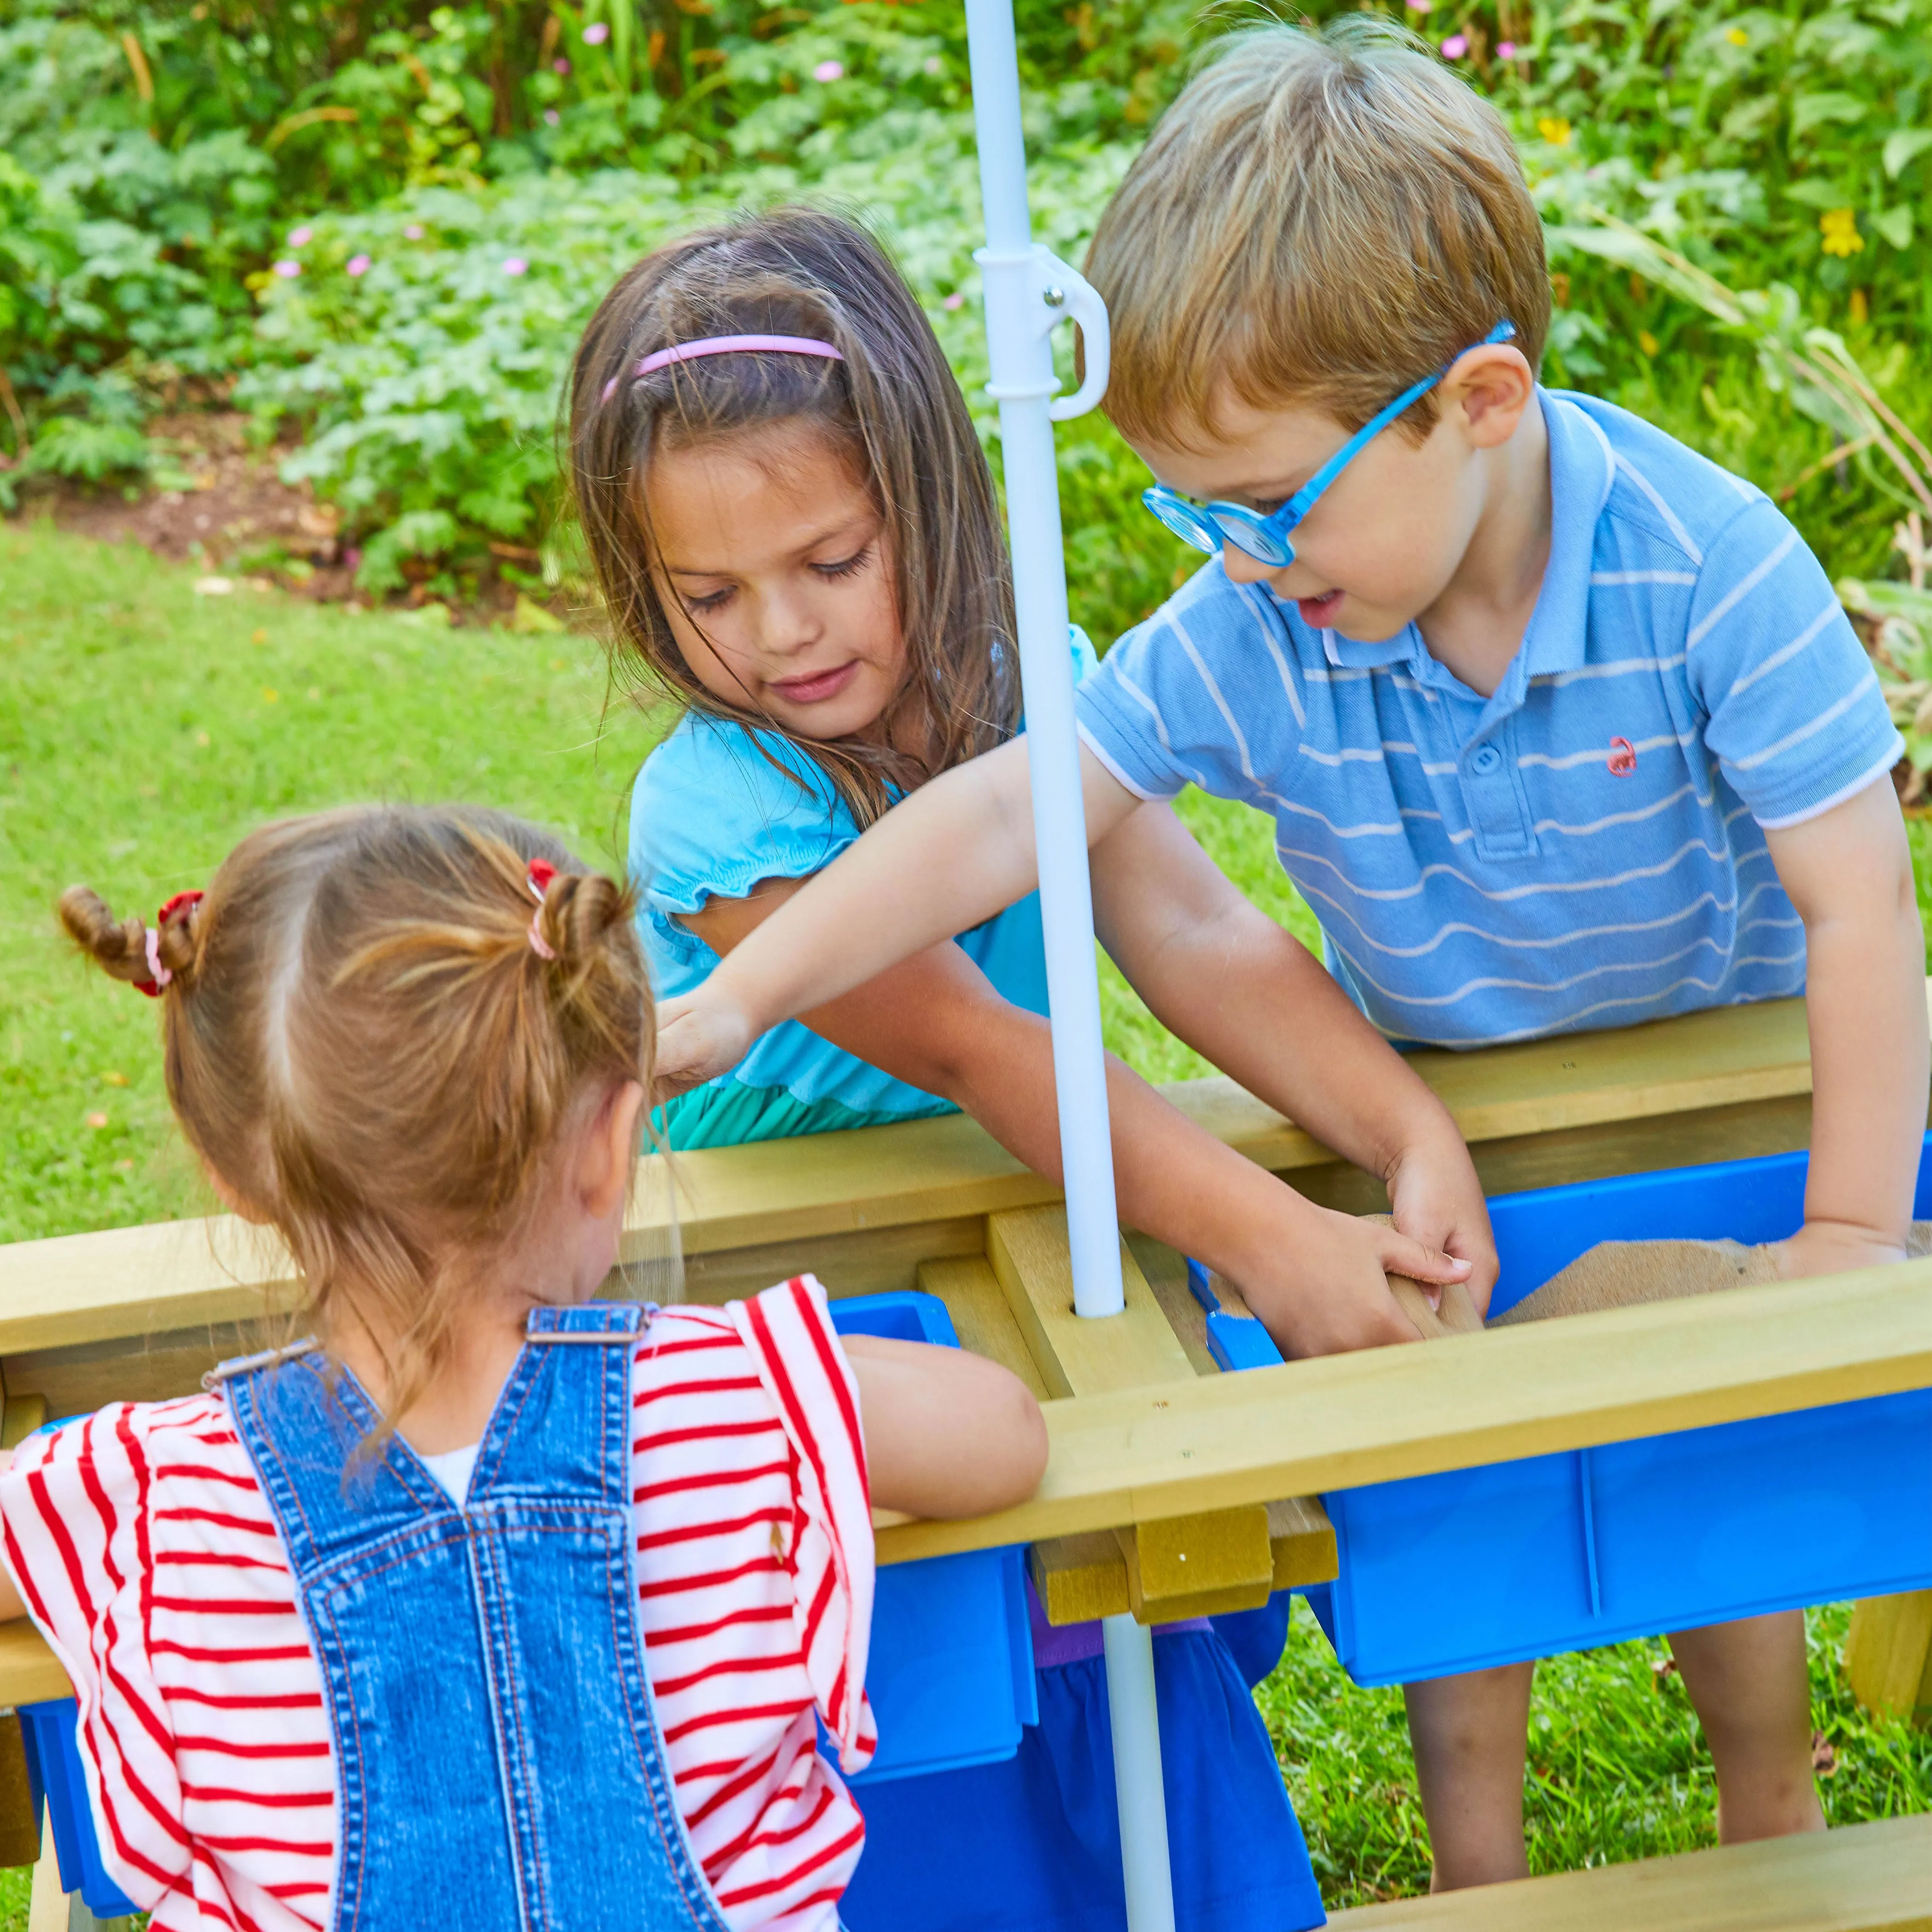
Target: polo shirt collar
point(1580, 471)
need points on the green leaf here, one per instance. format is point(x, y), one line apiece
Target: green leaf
point(1894, 224)
point(1815, 110)
point(1816, 192)
point(1902, 146)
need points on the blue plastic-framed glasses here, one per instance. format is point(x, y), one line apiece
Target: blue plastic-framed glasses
point(1266, 538)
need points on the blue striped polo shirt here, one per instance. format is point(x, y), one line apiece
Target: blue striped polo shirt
point(1584, 848)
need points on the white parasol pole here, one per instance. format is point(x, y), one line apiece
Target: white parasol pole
point(1027, 293)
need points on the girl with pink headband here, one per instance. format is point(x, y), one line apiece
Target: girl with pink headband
point(797, 539)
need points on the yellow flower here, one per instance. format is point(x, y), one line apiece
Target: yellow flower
point(1738, 38)
point(1861, 310)
point(1554, 129)
point(1646, 342)
point(1840, 228)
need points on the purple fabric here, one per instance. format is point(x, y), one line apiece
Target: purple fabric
point(1076, 1643)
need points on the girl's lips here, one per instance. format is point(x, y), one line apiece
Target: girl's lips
point(1317, 611)
point(817, 686)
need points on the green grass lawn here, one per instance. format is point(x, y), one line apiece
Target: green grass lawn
point(143, 727)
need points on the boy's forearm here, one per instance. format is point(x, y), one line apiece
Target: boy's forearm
point(1249, 997)
point(1848, 873)
point(1865, 1006)
point(951, 856)
point(1172, 1179)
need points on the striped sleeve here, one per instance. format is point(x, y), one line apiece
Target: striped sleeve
point(73, 1513)
point(1797, 720)
point(789, 1334)
point(1179, 699)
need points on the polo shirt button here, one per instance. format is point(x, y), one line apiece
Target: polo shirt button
point(1485, 760)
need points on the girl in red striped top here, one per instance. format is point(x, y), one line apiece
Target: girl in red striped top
point(341, 1628)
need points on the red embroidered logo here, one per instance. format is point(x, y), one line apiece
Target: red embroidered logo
point(1622, 761)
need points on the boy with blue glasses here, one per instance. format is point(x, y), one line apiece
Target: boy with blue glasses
point(1560, 725)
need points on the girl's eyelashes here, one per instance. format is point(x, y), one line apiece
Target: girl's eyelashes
point(714, 600)
point(847, 566)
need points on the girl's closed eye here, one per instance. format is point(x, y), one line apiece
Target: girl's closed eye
point(849, 566)
point(712, 600)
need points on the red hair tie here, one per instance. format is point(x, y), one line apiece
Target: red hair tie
point(538, 879)
point(158, 975)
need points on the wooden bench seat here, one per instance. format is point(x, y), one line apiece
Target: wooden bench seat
point(1863, 1878)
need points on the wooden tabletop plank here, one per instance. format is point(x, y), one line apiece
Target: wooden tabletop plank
point(81, 1288)
point(1875, 1877)
point(1135, 1456)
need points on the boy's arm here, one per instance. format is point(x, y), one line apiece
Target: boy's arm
point(949, 857)
point(1315, 1279)
point(1849, 872)
point(1220, 974)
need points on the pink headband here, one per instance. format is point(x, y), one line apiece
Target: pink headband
point(728, 345)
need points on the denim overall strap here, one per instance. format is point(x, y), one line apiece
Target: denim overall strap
point(499, 1762)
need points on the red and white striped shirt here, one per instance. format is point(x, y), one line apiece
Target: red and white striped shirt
point(145, 1549)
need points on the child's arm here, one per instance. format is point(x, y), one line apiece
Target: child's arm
point(948, 858)
point(1219, 973)
point(1849, 872)
point(1315, 1278)
point(947, 1433)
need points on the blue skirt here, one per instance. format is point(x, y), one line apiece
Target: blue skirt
point(1033, 1844)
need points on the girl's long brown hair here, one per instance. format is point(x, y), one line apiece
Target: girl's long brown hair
point(362, 1042)
point(891, 407)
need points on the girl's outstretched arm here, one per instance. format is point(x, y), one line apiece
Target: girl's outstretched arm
point(947, 1433)
point(1315, 1279)
point(1216, 970)
point(957, 851)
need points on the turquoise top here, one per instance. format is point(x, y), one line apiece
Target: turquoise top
point(713, 813)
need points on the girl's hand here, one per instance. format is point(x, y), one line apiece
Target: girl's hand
point(1325, 1290)
point(701, 1035)
point(1437, 1200)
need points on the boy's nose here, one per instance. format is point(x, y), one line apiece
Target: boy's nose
point(1243, 568)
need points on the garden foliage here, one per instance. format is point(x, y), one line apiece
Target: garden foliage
point(377, 225)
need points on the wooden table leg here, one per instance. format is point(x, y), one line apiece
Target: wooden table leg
point(1888, 1655)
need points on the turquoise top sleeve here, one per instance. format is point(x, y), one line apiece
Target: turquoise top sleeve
point(716, 809)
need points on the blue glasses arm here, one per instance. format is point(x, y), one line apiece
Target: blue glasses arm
point(1298, 505)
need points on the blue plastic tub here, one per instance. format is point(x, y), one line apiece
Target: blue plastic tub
point(950, 1671)
point(54, 1776)
point(1516, 1560)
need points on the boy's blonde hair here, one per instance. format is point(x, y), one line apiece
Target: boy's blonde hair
point(1321, 219)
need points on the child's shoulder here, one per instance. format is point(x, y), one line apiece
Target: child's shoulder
point(1656, 485)
point(717, 807)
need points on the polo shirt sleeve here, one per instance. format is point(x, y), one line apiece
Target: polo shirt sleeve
point(1164, 710)
point(1797, 720)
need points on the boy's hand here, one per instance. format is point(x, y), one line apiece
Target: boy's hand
point(701, 1035)
point(1833, 1247)
point(1437, 1200)
point(1326, 1291)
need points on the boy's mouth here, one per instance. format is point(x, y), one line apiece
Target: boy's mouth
point(815, 687)
point(1317, 613)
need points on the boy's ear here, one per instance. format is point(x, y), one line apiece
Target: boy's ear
point(1491, 386)
point(609, 1149)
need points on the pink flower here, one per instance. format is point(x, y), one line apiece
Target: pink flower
point(359, 264)
point(515, 265)
point(551, 117)
point(413, 233)
point(955, 300)
point(288, 271)
point(562, 65)
point(828, 71)
point(1455, 47)
point(596, 33)
point(1421, 6)
point(1506, 50)
point(300, 237)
